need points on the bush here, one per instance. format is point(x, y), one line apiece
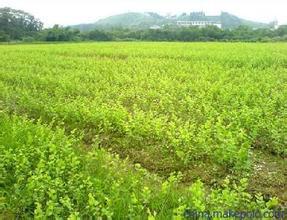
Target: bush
point(28, 39)
point(44, 175)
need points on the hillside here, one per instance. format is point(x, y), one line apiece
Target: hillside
point(134, 20)
point(126, 20)
point(232, 21)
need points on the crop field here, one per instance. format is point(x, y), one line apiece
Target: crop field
point(142, 130)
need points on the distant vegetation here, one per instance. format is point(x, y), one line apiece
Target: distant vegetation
point(210, 33)
point(16, 25)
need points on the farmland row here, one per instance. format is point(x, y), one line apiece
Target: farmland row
point(174, 104)
point(44, 175)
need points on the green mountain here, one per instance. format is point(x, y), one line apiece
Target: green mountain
point(127, 20)
point(132, 20)
point(135, 20)
point(232, 21)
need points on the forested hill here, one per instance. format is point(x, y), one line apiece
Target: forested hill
point(145, 20)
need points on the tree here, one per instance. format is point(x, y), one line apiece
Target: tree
point(282, 30)
point(99, 36)
point(16, 24)
point(58, 33)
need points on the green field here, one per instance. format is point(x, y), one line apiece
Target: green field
point(142, 130)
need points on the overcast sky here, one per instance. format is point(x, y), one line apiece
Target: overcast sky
point(66, 12)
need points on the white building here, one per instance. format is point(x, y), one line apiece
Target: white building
point(275, 24)
point(155, 27)
point(198, 23)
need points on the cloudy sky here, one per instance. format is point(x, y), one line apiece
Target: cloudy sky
point(66, 12)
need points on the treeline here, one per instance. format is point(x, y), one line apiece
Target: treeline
point(17, 25)
point(210, 33)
